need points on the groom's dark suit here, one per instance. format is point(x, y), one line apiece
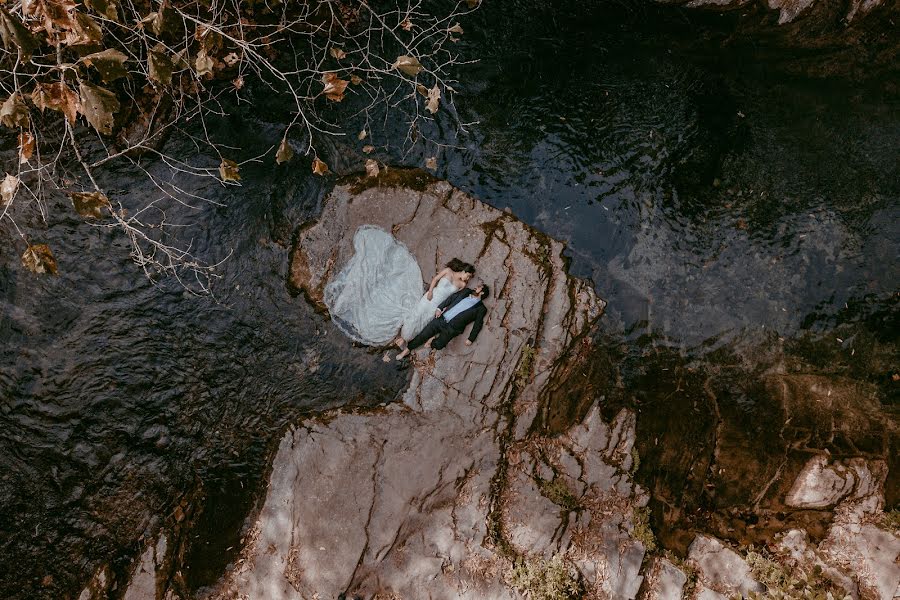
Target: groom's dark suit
point(447, 331)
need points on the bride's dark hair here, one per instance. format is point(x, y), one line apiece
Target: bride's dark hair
point(459, 266)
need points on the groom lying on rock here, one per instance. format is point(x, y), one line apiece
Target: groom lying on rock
point(451, 318)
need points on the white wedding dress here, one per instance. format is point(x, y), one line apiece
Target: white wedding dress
point(379, 291)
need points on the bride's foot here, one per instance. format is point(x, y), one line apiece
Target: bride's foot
point(402, 355)
point(400, 342)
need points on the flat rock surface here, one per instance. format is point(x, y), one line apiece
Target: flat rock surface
point(722, 569)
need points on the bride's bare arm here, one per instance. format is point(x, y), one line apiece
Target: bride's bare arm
point(434, 281)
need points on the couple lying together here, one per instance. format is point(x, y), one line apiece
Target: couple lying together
point(379, 292)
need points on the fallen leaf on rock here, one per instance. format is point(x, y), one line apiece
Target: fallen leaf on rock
point(8, 188)
point(89, 204)
point(56, 96)
point(26, 146)
point(368, 149)
point(409, 65)
point(337, 53)
point(229, 170)
point(372, 169)
point(431, 163)
point(319, 167)
point(434, 97)
point(284, 153)
point(39, 259)
point(99, 105)
point(334, 87)
point(14, 112)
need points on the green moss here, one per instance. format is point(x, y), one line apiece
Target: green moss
point(892, 521)
point(642, 531)
point(545, 580)
point(558, 493)
point(635, 460)
point(784, 582)
point(523, 371)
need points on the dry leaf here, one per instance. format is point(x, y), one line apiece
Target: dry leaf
point(8, 189)
point(204, 63)
point(16, 35)
point(99, 105)
point(434, 97)
point(362, 135)
point(456, 29)
point(337, 53)
point(238, 83)
point(86, 31)
point(159, 65)
point(229, 170)
point(372, 169)
point(355, 79)
point(406, 24)
point(422, 89)
point(409, 65)
point(334, 87)
point(39, 259)
point(26, 146)
point(89, 205)
point(109, 63)
point(14, 112)
point(368, 149)
point(319, 167)
point(284, 153)
point(472, 3)
point(56, 96)
point(431, 163)
point(107, 8)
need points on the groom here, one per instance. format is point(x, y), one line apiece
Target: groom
point(451, 318)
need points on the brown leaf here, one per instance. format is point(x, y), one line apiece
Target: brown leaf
point(431, 163)
point(368, 149)
point(89, 205)
point(39, 259)
point(372, 169)
point(8, 188)
point(159, 65)
point(109, 63)
point(231, 59)
point(105, 8)
point(229, 170)
point(406, 24)
point(238, 83)
point(26, 146)
point(168, 21)
point(203, 64)
point(284, 153)
point(422, 89)
point(434, 97)
point(457, 29)
point(409, 65)
point(16, 35)
point(86, 31)
point(355, 79)
point(319, 167)
point(473, 3)
point(337, 53)
point(54, 13)
point(56, 96)
point(99, 105)
point(334, 87)
point(362, 135)
point(14, 112)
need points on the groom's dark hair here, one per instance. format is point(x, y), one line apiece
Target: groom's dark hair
point(485, 291)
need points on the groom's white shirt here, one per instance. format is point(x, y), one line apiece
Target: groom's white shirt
point(464, 304)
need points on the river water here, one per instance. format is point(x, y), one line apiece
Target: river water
point(717, 204)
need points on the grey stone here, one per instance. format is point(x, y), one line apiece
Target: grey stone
point(665, 581)
point(721, 568)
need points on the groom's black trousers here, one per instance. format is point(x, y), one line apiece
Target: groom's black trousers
point(437, 327)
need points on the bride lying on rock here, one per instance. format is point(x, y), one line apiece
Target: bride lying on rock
point(379, 290)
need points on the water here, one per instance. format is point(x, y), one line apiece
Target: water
point(718, 205)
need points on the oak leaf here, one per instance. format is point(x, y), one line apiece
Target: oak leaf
point(39, 259)
point(8, 188)
point(372, 169)
point(284, 153)
point(26, 147)
point(434, 97)
point(14, 112)
point(319, 167)
point(409, 65)
point(334, 87)
point(229, 170)
point(99, 105)
point(89, 205)
point(109, 63)
point(56, 96)
point(16, 35)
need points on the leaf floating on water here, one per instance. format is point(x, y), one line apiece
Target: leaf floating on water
point(203, 64)
point(431, 163)
point(229, 170)
point(56, 96)
point(89, 205)
point(409, 65)
point(99, 105)
point(39, 259)
point(457, 29)
point(372, 169)
point(362, 135)
point(26, 146)
point(319, 167)
point(473, 3)
point(368, 149)
point(422, 90)
point(159, 65)
point(406, 24)
point(434, 97)
point(231, 59)
point(337, 53)
point(284, 153)
point(16, 35)
point(8, 189)
point(334, 87)
point(355, 79)
point(109, 63)
point(14, 112)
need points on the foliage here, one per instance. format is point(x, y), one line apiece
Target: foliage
point(93, 86)
point(557, 492)
point(784, 582)
point(523, 371)
point(642, 531)
point(892, 521)
point(545, 580)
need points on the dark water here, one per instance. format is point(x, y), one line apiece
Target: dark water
point(717, 204)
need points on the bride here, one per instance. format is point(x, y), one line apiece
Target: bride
point(379, 290)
